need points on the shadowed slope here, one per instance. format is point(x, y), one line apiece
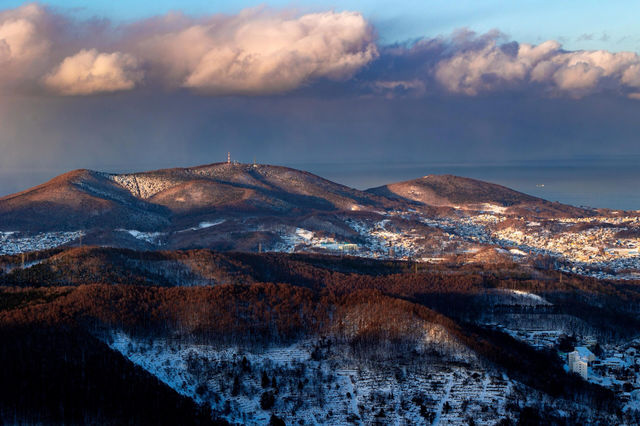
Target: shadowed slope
point(151, 201)
point(75, 200)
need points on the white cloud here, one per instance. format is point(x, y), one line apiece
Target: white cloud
point(24, 44)
point(20, 34)
point(631, 76)
point(19, 40)
point(578, 77)
point(89, 72)
point(473, 71)
point(258, 52)
point(487, 66)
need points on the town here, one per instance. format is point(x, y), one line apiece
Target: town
point(605, 247)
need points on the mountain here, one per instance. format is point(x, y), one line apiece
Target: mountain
point(245, 187)
point(445, 290)
point(462, 192)
point(153, 200)
point(248, 207)
point(78, 200)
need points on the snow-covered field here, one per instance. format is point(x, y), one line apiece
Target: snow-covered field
point(319, 382)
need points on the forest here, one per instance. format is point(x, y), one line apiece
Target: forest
point(56, 315)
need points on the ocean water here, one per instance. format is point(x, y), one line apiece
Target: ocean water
point(611, 184)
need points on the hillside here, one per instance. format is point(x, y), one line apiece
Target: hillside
point(183, 198)
point(154, 200)
point(82, 381)
point(461, 192)
point(336, 340)
point(242, 186)
point(76, 200)
point(252, 208)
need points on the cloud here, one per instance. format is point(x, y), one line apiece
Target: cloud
point(89, 72)
point(261, 51)
point(486, 65)
point(20, 36)
point(24, 44)
point(392, 88)
point(256, 51)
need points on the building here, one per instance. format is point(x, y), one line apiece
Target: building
point(348, 247)
point(579, 361)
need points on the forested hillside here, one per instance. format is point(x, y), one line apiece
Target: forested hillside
point(70, 304)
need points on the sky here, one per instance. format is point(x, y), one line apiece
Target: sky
point(581, 24)
point(137, 85)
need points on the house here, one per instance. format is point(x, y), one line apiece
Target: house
point(579, 361)
point(614, 363)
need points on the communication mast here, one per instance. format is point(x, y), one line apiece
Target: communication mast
point(228, 157)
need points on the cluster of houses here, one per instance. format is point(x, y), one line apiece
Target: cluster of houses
point(618, 371)
point(588, 250)
point(614, 366)
point(597, 246)
point(594, 250)
point(16, 242)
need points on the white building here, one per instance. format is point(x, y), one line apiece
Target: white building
point(579, 361)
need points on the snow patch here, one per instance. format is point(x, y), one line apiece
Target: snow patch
point(532, 297)
point(304, 234)
point(493, 208)
point(149, 237)
point(204, 225)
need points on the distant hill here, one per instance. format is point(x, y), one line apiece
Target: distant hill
point(461, 192)
point(153, 200)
